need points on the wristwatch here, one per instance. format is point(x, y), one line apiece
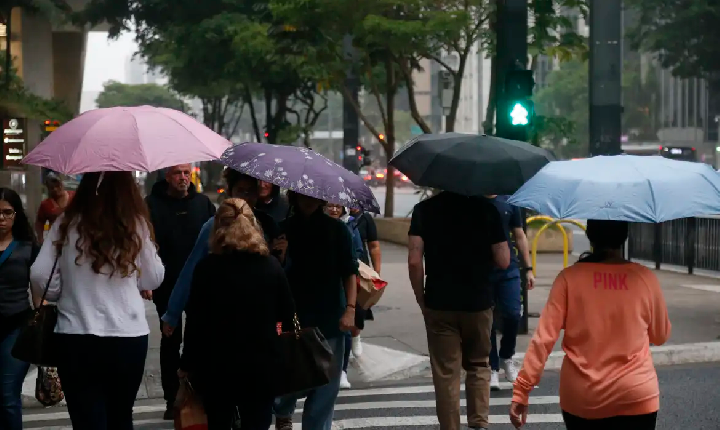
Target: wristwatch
point(527, 269)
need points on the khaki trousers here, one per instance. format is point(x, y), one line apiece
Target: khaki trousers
point(460, 340)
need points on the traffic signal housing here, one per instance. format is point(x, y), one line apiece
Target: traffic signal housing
point(363, 155)
point(519, 109)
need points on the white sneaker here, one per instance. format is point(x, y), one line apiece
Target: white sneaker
point(511, 371)
point(357, 348)
point(344, 383)
point(495, 381)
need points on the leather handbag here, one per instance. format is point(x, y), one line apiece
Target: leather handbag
point(305, 360)
point(36, 342)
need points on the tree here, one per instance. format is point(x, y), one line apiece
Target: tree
point(552, 32)
point(118, 94)
point(16, 99)
point(683, 35)
point(563, 106)
point(387, 36)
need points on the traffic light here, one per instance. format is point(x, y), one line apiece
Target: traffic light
point(51, 125)
point(519, 109)
point(363, 156)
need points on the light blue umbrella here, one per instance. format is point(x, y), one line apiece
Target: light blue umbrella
point(622, 188)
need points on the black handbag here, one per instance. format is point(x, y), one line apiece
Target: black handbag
point(304, 360)
point(36, 342)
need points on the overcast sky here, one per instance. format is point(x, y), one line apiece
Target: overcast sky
point(105, 60)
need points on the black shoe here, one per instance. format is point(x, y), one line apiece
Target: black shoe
point(169, 414)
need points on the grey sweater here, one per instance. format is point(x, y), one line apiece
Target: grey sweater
point(15, 280)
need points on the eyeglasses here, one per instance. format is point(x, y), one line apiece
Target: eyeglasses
point(7, 214)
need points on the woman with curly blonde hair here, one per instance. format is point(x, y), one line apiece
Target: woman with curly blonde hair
point(99, 256)
point(236, 324)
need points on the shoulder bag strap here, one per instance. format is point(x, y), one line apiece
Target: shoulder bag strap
point(6, 253)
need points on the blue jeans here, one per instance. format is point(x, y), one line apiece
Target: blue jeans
point(320, 403)
point(12, 375)
point(508, 302)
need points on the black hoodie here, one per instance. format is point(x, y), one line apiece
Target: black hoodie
point(277, 207)
point(177, 223)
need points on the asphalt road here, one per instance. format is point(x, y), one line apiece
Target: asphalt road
point(689, 401)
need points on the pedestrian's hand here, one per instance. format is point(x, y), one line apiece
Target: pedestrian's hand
point(347, 322)
point(147, 295)
point(280, 244)
point(530, 280)
point(518, 414)
point(167, 329)
point(182, 374)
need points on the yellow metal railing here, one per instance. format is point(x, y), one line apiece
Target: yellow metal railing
point(550, 223)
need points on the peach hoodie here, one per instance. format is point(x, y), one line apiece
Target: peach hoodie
point(611, 313)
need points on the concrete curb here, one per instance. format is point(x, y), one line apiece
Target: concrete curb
point(666, 355)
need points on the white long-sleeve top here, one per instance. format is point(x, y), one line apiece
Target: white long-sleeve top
point(91, 303)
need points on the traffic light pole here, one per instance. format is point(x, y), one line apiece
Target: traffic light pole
point(605, 77)
point(512, 53)
point(351, 122)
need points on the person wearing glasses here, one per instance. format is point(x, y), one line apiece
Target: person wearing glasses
point(18, 250)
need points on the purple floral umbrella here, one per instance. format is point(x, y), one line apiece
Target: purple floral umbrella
point(301, 170)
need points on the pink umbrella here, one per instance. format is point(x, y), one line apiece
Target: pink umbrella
point(141, 138)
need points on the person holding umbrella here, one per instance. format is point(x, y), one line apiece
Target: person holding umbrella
point(611, 311)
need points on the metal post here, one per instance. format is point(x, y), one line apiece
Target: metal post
point(512, 35)
point(605, 77)
point(351, 122)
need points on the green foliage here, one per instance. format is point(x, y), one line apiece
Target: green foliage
point(553, 32)
point(118, 94)
point(683, 35)
point(564, 104)
point(16, 99)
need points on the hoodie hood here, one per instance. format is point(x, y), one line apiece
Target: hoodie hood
point(160, 190)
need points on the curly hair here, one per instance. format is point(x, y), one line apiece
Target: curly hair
point(110, 217)
point(236, 228)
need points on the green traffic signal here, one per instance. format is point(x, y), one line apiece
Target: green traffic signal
point(519, 115)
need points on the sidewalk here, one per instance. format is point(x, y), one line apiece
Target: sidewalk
point(398, 331)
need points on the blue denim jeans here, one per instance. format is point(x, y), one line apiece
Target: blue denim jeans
point(508, 303)
point(12, 375)
point(320, 403)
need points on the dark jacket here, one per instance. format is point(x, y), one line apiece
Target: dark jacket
point(322, 257)
point(235, 326)
point(177, 223)
point(278, 206)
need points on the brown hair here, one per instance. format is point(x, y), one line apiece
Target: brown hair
point(110, 215)
point(236, 228)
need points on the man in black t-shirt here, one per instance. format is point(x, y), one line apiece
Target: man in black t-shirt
point(461, 240)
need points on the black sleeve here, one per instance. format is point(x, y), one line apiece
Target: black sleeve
point(211, 208)
point(195, 319)
point(285, 305)
point(495, 229)
point(370, 229)
point(415, 222)
point(347, 261)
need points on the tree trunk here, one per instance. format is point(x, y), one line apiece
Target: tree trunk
point(253, 115)
point(8, 44)
point(270, 133)
point(457, 89)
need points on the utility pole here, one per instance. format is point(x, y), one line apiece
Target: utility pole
point(605, 77)
point(512, 59)
point(351, 122)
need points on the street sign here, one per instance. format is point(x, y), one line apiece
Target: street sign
point(14, 140)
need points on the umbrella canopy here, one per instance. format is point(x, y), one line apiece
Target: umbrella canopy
point(622, 188)
point(141, 138)
point(303, 171)
point(471, 165)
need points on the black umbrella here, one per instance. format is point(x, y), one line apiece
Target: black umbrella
point(469, 164)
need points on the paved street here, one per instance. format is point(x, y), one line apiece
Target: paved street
point(689, 400)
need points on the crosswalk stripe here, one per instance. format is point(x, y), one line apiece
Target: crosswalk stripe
point(427, 420)
point(408, 389)
point(399, 404)
point(538, 400)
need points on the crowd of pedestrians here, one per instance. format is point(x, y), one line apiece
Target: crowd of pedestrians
point(291, 254)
